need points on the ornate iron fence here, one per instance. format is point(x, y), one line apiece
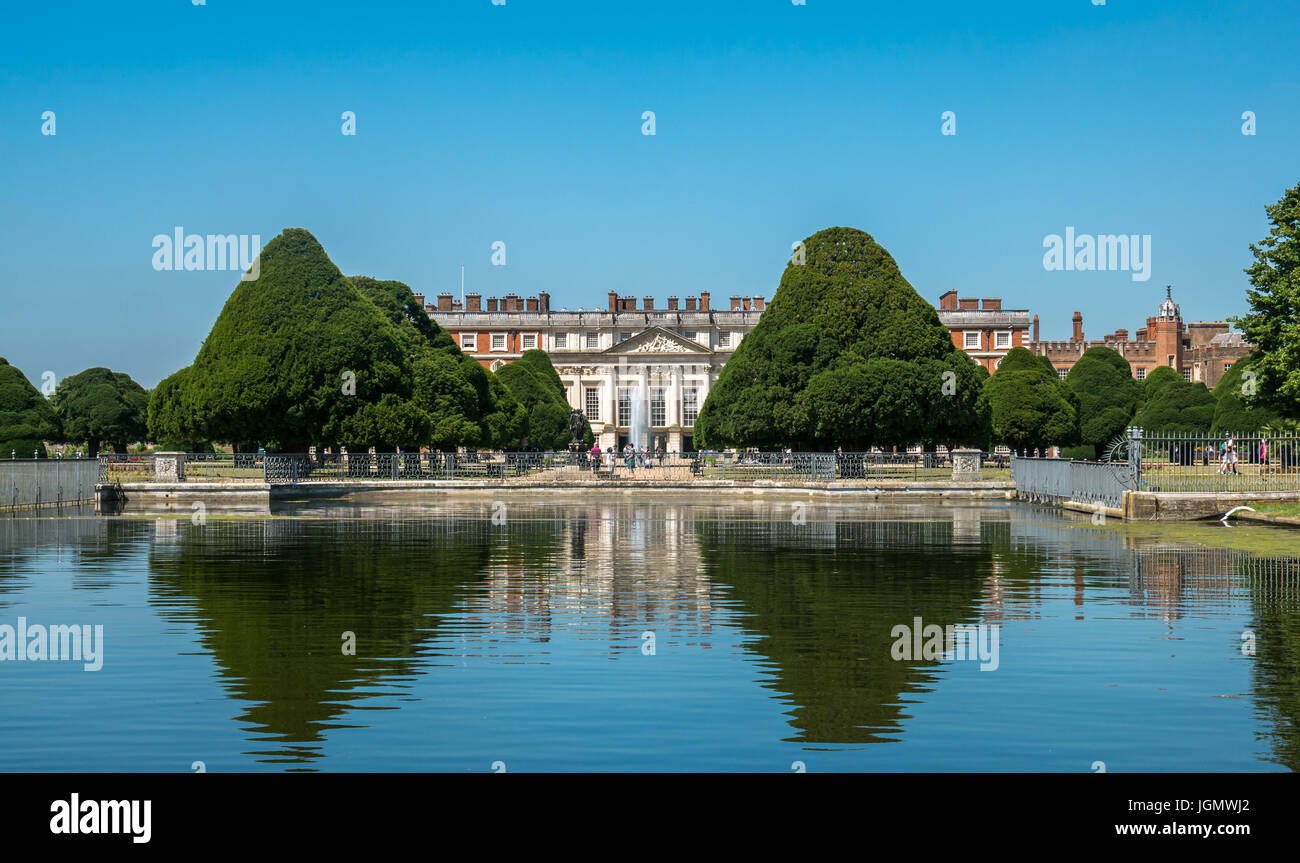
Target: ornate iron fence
point(1246, 462)
point(1055, 480)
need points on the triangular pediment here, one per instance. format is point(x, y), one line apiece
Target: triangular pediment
point(657, 340)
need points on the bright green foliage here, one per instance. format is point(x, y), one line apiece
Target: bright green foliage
point(1108, 396)
point(846, 354)
point(533, 381)
point(99, 406)
point(1179, 406)
point(27, 420)
point(276, 367)
point(1274, 321)
point(1159, 378)
point(1031, 407)
point(1237, 406)
point(174, 420)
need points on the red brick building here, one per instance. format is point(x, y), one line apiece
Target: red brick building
point(982, 328)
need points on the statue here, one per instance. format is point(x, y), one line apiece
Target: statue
point(577, 425)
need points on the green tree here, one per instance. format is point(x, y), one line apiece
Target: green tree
point(174, 421)
point(1030, 406)
point(1108, 396)
point(27, 420)
point(1236, 406)
point(296, 353)
point(1275, 307)
point(535, 384)
point(845, 325)
point(99, 406)
point(1160, 377)
point(1179, 406)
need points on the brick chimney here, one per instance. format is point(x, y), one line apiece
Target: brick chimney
point(758, 304)
point(649, 304)
point(704, 301)
point(419, 298)
point(473, 303)
point(948, 301)
point(492, 304)
point(444, 302)
point(1078, 327)
point(690, 304)
point(993, 304)
point(672, 304)
point(735, 303)
point(543, 301)
point(613, 301)
point(629, 304)
point(1035, 337)
point(1121, 335)
point(531, 304)
point(968, 304)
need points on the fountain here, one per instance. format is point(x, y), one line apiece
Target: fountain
point(638, 430)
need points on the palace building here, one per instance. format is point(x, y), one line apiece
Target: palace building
point(1202, 351)
point(982, 328)
point(619, 364)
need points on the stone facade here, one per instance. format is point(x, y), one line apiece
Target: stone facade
point(670, 356)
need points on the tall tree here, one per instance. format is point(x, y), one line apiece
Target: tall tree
point(846, 354)
point(1180, 406)
point(101, 406)
point(26, 419)
point(1274, 299)
point(174, 421)
point(1108, 396)
point(1160, 377)
point(533, 381)
point(1031, 407)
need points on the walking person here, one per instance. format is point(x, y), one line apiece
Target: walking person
point(1230, 454)
point(595, 457)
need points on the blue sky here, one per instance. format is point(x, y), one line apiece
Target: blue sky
point(522, 123)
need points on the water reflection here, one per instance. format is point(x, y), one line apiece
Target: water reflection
point(806, 595)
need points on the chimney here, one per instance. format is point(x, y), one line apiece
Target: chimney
point(455, 306)
point(531, 304)
point(543, 301)
point(1121, 335)
point(473, 303)
point(735, 303)
point(758, 304)
point(968, 304)
point(993, 304)
point(1035, 328)
point(419, 298)
point(629, 304)
point(672, 304)
point(492, 304)
point(1078, 327)
point(649, 304)
point(444, 302)
point(704, 301)
point(613, 301)
point(690, 304)
point(948, 301)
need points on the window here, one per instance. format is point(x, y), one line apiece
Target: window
point(593, 404)
point(1171, 361)
point(561, 340)
point(1227, 366)
point(1002, 340)
point(1061, 373)
point(1141, 374)
point(690, 405)
point(530, 341)
point(724, 340)
point(498, 341)
point(658, 408)
point(593, 341)
point(469, 341)
point(1187, 374)
point(972, 340)
point(624, 336)
point(625, 406)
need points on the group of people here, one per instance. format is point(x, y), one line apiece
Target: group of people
point(1229, 456)
point(633, 457)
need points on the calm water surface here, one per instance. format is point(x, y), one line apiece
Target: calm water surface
point(612, 634)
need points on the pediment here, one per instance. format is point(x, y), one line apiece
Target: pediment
point(657, 340)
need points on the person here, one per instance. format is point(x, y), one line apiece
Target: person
point(595, 457)
point(1232, 453)
point(629, 456)
point(659, 454)
point(1263, 454)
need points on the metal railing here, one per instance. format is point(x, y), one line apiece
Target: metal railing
point(46, 482)
point(1247, 462)
point(1055, 480)
point(198, 467)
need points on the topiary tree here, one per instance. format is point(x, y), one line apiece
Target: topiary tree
point(27, 420)
point(1030, 406)
point(1275, 307)
point(296, 353)
point(535, 384)
point(846, 354)
point(1160, 377)
point(99, 406)
point(1179, 406)
point(174, 421)
point(1108, 397)
point(1237, 407)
